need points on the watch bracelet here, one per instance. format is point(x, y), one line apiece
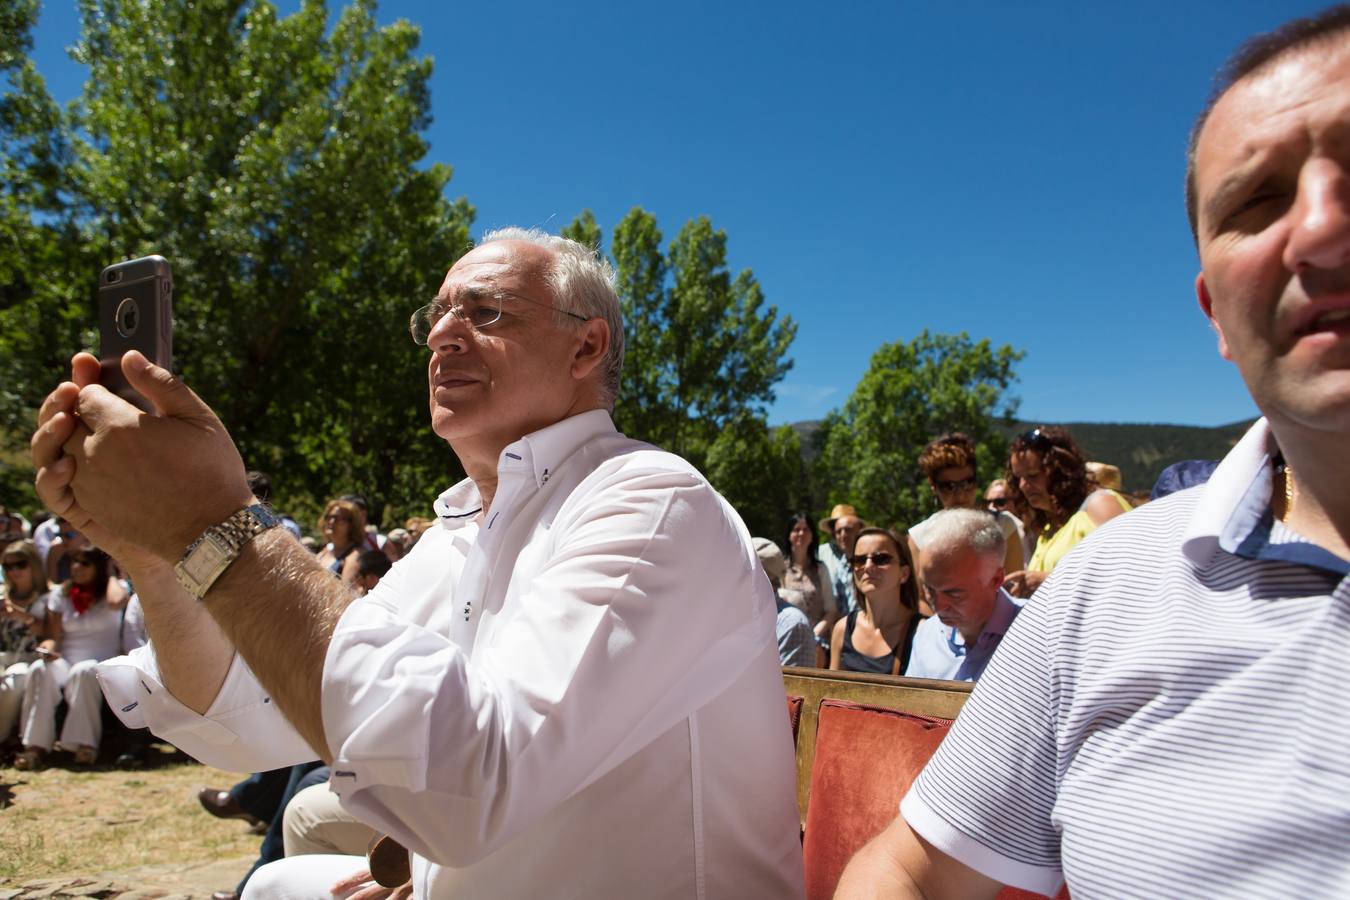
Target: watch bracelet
point(237, 531)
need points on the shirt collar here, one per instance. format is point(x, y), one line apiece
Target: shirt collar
point(1233, 513)
point(540, 453)
point(1234, 499)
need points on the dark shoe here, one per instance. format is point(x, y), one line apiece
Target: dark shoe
point(225, 895)
point(132, 759)
point(222, 805)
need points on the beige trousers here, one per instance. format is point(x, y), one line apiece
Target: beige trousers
point(314, 822)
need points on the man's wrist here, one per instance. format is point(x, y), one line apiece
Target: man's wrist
point(219, 545)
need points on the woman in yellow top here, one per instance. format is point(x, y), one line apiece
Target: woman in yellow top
point(1056, 499)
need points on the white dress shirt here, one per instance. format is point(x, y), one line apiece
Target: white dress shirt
point(577, 696)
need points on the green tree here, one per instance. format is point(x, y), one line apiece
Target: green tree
point(761, 473)
point(704, 351)
point(584, 230)
point(274, 161)
point(911, 393)
point(38, 324)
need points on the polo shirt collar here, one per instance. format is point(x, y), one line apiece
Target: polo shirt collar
point(1233, 514)
point(539, 453)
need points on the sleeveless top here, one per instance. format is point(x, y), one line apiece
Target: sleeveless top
point(852, 660)
point(1051, 548)
point(338, 559)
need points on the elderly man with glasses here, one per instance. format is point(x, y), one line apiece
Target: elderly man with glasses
point(544, 697)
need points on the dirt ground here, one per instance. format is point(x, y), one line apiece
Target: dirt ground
point(110, 833)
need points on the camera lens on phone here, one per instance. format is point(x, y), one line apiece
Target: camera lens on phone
point(128, 317)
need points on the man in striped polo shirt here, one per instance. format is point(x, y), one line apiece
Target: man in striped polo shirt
point(1170, 714)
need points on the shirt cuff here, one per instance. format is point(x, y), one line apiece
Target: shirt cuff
point(930, 825)
point(226, 737)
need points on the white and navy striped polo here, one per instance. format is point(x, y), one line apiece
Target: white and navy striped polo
point(1169, 716)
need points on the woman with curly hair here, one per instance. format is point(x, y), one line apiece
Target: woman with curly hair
point(1056, 499)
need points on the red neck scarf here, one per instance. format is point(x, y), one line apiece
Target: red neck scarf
point(82, 598)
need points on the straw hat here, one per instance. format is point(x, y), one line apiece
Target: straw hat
point(1105, 474)
point(840, 509)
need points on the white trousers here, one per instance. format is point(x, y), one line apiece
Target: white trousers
point(304, 878)
point(315, 822)
point(48, 680)
point(11, 696)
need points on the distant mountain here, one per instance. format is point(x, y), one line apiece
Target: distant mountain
point(1141, 451)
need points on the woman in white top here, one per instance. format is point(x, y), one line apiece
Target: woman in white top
point(84, 618)
point(23, 622)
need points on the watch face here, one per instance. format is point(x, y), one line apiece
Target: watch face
point(207, 561)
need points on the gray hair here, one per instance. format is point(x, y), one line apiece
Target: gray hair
point(583, 283)
point(953, 529)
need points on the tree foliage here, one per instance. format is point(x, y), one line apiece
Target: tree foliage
point(761, 473)
point(274, 161)
point(704, 351)
point(911, 393)
point(38, 325)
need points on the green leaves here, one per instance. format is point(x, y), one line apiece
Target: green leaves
point(704, 350)
point(909, 395)
point(275, 162)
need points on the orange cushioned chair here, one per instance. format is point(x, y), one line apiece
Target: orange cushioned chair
point(866, 758)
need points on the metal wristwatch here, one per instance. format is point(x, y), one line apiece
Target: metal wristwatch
point(207, 558)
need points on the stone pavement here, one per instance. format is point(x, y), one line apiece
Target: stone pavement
point(195, 882)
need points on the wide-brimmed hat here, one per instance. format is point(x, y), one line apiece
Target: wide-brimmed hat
point(840, 509)
point(771, 558)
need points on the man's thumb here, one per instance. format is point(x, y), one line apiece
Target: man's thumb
point(158, 385)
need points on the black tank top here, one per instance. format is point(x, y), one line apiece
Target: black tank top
point(852, 660)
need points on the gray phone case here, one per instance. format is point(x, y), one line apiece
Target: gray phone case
point(135, 312)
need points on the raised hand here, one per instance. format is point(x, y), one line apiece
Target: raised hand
point(141, 486)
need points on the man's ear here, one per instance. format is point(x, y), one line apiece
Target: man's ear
point(591, 347)
point(1207, 307)
point(997, 580)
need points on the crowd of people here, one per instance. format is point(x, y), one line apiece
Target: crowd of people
point(568, 686)
point(67, 606)
point(860, 601)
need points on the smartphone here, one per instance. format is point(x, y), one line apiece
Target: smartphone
point(135, 312)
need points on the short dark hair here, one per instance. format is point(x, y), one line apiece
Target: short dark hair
point(372, 562)
point(1256, 53)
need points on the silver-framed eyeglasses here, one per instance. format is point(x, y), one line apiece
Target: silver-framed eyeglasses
point(478, 310)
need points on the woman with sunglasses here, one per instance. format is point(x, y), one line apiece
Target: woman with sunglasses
point(1056, 499)
point(23, 623)
point(84, 621)
point(949, 464)
point(344, 528)
point(879, 635)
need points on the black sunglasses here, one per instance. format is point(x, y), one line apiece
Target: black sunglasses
point(947, 487)
point(999, 502)
point(1036, 438)
point(12, 565)
point(880, 560)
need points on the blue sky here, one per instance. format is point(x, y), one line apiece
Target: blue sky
point(1007, 169)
